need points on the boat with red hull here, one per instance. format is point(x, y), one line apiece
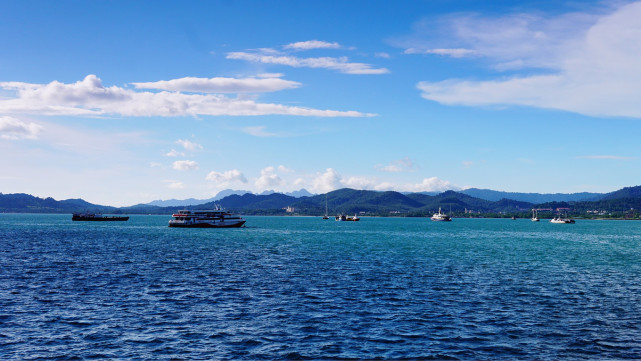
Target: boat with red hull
point(206, 219)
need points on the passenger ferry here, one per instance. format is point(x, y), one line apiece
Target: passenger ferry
point(206, 219)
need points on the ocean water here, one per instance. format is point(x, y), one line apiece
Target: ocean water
point(306, 288)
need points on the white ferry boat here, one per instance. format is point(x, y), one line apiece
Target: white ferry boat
point(206, 219)
point(441, 216)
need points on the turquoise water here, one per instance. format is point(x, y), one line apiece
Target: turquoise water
point(306, 288)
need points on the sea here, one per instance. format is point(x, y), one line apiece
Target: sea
point(303, 288)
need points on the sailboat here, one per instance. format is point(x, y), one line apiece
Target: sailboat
point(535, 216)
point(325, 216)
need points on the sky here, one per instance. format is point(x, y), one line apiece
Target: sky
point(126, 102)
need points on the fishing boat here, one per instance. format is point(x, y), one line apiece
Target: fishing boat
point(96, 217)
point(206, 219)
point(441, 217)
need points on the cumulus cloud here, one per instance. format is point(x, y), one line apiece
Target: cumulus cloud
point(282, 168)
point(221, 85)
point(14, 129)
point(189, 145)
point(432, 184)
point(331, 180)
point(312, 44)
point(341, 64)
point(326, 182)
point(175, 153)
point(185, 165)
point(590, 62)
point(89, 97)
point(268, 179)
point(233, 175)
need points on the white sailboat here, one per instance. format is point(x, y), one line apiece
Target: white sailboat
point(535, 216)
point(325, 216)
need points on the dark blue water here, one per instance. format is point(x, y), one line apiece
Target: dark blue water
point(304, 288)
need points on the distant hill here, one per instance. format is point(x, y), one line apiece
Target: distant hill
point(222, 194)
point(536, 198)
point(26, 203)
point(627, 192)
point(193, 201)
point(348, 201)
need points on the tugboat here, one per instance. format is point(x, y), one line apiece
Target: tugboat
point(441, 217)
point(96, 217)
point(206, 219)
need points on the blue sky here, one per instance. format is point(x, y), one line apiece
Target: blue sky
point(120, 102)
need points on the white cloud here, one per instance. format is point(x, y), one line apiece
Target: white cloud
point(455, 53)
point(233, 175)
point(312, 44)
point(185, 165)
point(90, 97)
point(175, 153)
point(268, 179)
point(14, 129)
point(282, 168)
point(189, 145)
point(258, 131)
point(401, 165)
point(432, 184)
point(174, 184)
point(341, 64)
point(221, 85)
point(331, 180)
point(382, 55)
point(591, 62)
point(326, 182)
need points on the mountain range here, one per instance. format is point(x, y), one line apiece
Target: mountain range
point(220, 195)
point(350, 201)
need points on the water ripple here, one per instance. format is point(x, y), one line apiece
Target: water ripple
point(302, 288)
